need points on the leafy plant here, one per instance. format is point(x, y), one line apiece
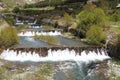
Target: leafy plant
point(8, 37)
point(91, 15)
point(95, 35)
point(115, 16)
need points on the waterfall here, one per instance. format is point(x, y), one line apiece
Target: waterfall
point(30, 33)
point(54, 55)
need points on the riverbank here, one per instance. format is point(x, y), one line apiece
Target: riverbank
point(114, 70)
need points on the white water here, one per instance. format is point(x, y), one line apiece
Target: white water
point(59, 55)
point(29, 33)
point(35, 27)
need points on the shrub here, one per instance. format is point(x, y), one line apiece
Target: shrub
point(115, 17)
point(91, 15)
point(16, 10)
point(95, 35)
point(8, 37)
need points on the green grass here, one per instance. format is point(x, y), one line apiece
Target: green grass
point(118, 78)
point(116, 29)
point(14, 3)
point(117, 61)
point(10, 3)
point(115, 26)
point(8, 37)
point(48, 27)
point(22, 27)
point(1, 22)
point(48, 39)
point(45, 8)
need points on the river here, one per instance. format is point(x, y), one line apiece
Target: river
point(70, 66)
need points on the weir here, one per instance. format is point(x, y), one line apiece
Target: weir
point(32, 50)
point(42, 32)
point(55, 54)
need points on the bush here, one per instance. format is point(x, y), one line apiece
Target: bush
point(91, 15)
point(8, 37)
point(115, 17)
point(16, 10)
point(95, 35)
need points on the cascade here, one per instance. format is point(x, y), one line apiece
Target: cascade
point(54, 55)
point(32, 33)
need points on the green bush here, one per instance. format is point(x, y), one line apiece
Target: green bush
point(91, 15)
point(16, 10)
point(95, 35)
point(8, 37)
point(115, 17)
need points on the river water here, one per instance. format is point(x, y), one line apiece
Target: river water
point(74, 67)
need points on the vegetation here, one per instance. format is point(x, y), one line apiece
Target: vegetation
point(48, 27)
point(104, 4)
point(8, 37)
point(42, 73)
point(116, 29)
point(118, 78)
point(45, 8)
point(95, 35)
point(45, 71)
point(16, 10)
point(22, 27)
point(115, 16)
point(9, 20)
point(48, 39)
point(66, 22)
point(91, 15)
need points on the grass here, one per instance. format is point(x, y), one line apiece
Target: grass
point(48, 27)
point(10, 3)
point(118, 78)
point(115, 26)
point(117, 61)
point(8, 37)
point(22, 27)
point(1, 22)
point(116, 29)
point(48, 39)
point(43, 73)
point(45, 8)
point(14, 3)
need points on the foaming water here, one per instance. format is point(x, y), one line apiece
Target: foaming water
point(30, 33)
point(59, 55)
